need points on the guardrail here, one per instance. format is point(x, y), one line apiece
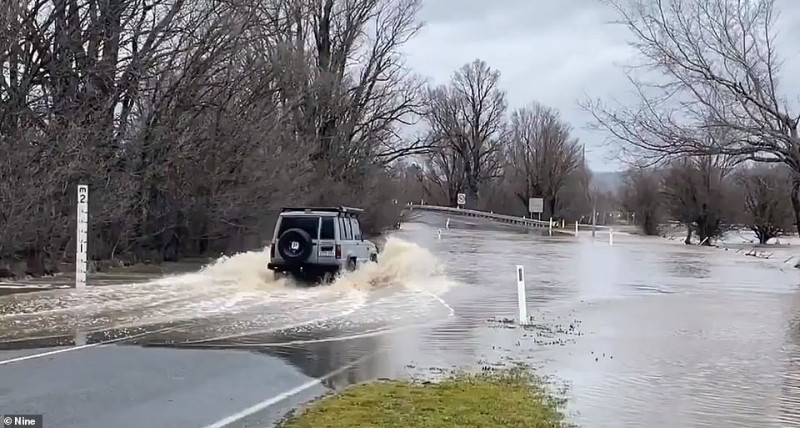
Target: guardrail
point(522, 221)
point(482, 214)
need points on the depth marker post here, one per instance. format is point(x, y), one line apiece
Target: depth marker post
point(523, 305)
point(81, 260)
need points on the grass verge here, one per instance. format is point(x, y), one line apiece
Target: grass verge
point(510, 398)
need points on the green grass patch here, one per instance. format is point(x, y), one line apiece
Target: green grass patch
point(510, 398)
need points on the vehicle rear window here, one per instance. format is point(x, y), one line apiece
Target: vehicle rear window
point(309, 224)
point(327, 229)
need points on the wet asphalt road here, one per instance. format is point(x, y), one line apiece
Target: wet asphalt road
point(644, 333)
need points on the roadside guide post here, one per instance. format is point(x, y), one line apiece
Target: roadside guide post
point(523, 307)
point(576, 228)
point(81, 250)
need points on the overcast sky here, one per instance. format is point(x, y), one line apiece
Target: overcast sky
point(555, 52)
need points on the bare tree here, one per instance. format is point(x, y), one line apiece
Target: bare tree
point(641, 195)
point(768, 209)
point(445, 169)
point(466, 120)
point(544, 153)
point(357, 90)
point(696, 194)
point(720, 74)
point(193, 122)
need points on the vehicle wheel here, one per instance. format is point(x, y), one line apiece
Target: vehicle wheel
point(294, 245)
point(351, 265)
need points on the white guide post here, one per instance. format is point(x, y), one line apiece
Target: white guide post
point(523, 306)
point(81, 250)
point(576, 228)
point(610, 236)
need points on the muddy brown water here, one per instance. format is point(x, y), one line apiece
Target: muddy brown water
point(646, 332)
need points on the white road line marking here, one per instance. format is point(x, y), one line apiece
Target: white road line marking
point(284, 395)
point(78, 348)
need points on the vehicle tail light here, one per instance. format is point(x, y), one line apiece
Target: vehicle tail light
point(338, 251)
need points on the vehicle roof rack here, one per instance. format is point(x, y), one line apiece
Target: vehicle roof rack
point(325, 209)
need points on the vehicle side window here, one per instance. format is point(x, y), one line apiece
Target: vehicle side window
point(344, 229)
point(356, 228)
point(327, 229)
point(349, 229)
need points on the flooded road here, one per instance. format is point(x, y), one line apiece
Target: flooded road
point(646, 332)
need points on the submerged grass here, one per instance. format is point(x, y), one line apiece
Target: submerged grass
point(510, 398)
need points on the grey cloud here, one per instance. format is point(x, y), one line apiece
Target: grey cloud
point(554, 52)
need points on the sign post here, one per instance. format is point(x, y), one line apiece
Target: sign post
point(521, 300)
point(81, 259)
point(462, 200)
point(536, 206)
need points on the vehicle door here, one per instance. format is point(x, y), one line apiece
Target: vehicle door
point(327, 241)
point(361, 249)
point(312, 225)
point(309, 224)
point(346, 239)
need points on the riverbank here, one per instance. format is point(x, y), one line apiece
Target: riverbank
point(511, 398)
point(15, 270)
point(783, 251)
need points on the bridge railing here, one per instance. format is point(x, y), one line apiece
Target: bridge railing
point(528, 222)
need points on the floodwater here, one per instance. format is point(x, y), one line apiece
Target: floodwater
point(645, 332)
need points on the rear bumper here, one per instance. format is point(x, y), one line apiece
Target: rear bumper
point(303, 267)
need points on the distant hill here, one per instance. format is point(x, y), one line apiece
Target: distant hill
point(607, 181)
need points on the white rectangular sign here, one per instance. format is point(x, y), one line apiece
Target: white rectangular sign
point(462, 199)
point(536, 205)
point(81, 250)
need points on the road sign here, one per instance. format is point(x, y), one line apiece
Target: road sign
point(462, 199)
point(536, 205)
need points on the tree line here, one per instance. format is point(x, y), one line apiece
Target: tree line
point(709, 195)
point(194, 122)
point(713, 131)
point(497, 157)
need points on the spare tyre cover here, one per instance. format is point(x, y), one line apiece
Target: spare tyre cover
point(294, 245)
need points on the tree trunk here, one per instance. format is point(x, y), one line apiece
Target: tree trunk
point(688, 239)
point(762, 234)
point(796, 200)
point(551, 206)
point(472, 193)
